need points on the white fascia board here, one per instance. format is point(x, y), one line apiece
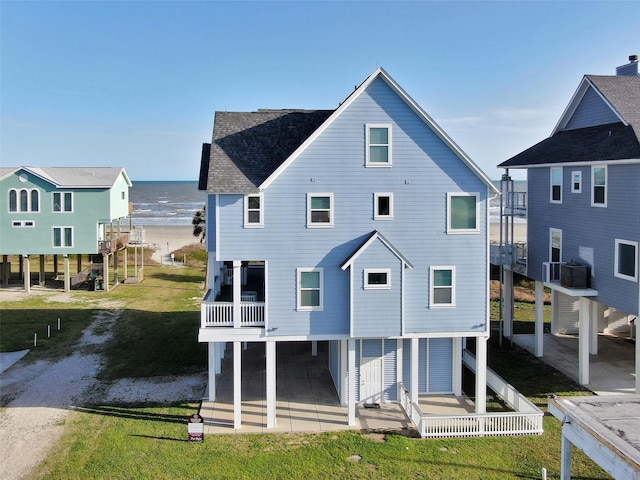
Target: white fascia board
point(583, 88)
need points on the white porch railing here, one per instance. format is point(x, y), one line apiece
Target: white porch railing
point(220, 314)
point(525, 420)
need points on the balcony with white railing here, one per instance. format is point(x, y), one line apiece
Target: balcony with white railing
point(525, 419)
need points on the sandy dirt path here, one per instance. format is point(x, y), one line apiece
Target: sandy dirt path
point(38, 396)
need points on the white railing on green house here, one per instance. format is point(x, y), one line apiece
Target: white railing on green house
point(526, 419)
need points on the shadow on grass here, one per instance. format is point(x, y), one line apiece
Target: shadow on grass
point(135, 413)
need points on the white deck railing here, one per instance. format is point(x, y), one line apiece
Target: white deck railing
point(220, 314)
point(525, 420)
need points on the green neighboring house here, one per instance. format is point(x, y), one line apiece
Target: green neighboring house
point(64, 211)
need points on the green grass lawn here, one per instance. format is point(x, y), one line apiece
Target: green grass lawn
point(157, 335)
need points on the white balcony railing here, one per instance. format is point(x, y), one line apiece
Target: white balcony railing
point(525, 420)
point(220, 314)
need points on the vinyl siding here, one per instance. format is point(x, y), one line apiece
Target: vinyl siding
point(424, 170)
point(588, 233)
point(591, 111)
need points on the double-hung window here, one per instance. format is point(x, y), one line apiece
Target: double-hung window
point(319, 210)
point(63, 236)
point(309, 289)
point(599, 186)
point(383, 206)
point(62, 201)
point(556, 185)
point(377, 278)
point(443, 290)
point(462, 213)
point(626, 260)
point(253, 211)
point(378, 146)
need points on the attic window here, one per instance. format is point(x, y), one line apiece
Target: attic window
point(378, 146)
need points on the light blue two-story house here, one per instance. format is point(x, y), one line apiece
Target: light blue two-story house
point(365, 227)
point(64, 211)
point(583, 213)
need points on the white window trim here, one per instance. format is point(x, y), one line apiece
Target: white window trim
point(376, 215)
point(23, 223)
point(62, 229)
point(593, 186)
point(18, 202)
point(573, 183)
point(432, 287)
point(368, 286)
point(368, 163)
point(331, 211)
point(551, 232)
point(551, 184)
point(615, 265)
point(462, 230)
point(62, 210)
point(247, 224)
point(305, 308)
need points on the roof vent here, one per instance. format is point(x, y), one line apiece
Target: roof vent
point(630, 68)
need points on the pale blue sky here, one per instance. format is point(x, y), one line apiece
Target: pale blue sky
point(136, 84)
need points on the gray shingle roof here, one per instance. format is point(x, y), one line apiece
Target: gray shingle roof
point(247, 147)
point(615, 141)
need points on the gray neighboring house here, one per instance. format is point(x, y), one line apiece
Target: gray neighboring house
point(583, 214)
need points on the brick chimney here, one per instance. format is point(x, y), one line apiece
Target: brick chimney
point(630, 68)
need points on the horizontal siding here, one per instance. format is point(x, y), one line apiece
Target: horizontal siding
point(424, 170)
point(591, 111)
point(588, 233)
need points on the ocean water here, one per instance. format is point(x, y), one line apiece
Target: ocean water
point(175, 203)
point(165, 203)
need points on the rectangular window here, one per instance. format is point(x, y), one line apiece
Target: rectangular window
point(62, 201)
point(320, 210)
point(442, 286)
point(599, 186)
point(462, 211)
point(556, 185)
point(576, 182)
point(383, 206)
point(63, 236)
point(253, 213)
point(626, 260)
point(555, 244)
point(378, 145)
point(378, 278)
point(310, 289)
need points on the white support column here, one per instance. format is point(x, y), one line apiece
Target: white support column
point(539, 322)
point(457, 366)
point(67, 279)
point(220, 347)
point(507, 307)
point(270, 354)
point(481, 374)
point(583, 340)
point(26, 267)
point(237, 293)
point(399, 365)
point(213, 355)
point(593, 330)
point(565, 454)
point(352, 381)
point(314, 348)
point(415, 354)
point(237, 384)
